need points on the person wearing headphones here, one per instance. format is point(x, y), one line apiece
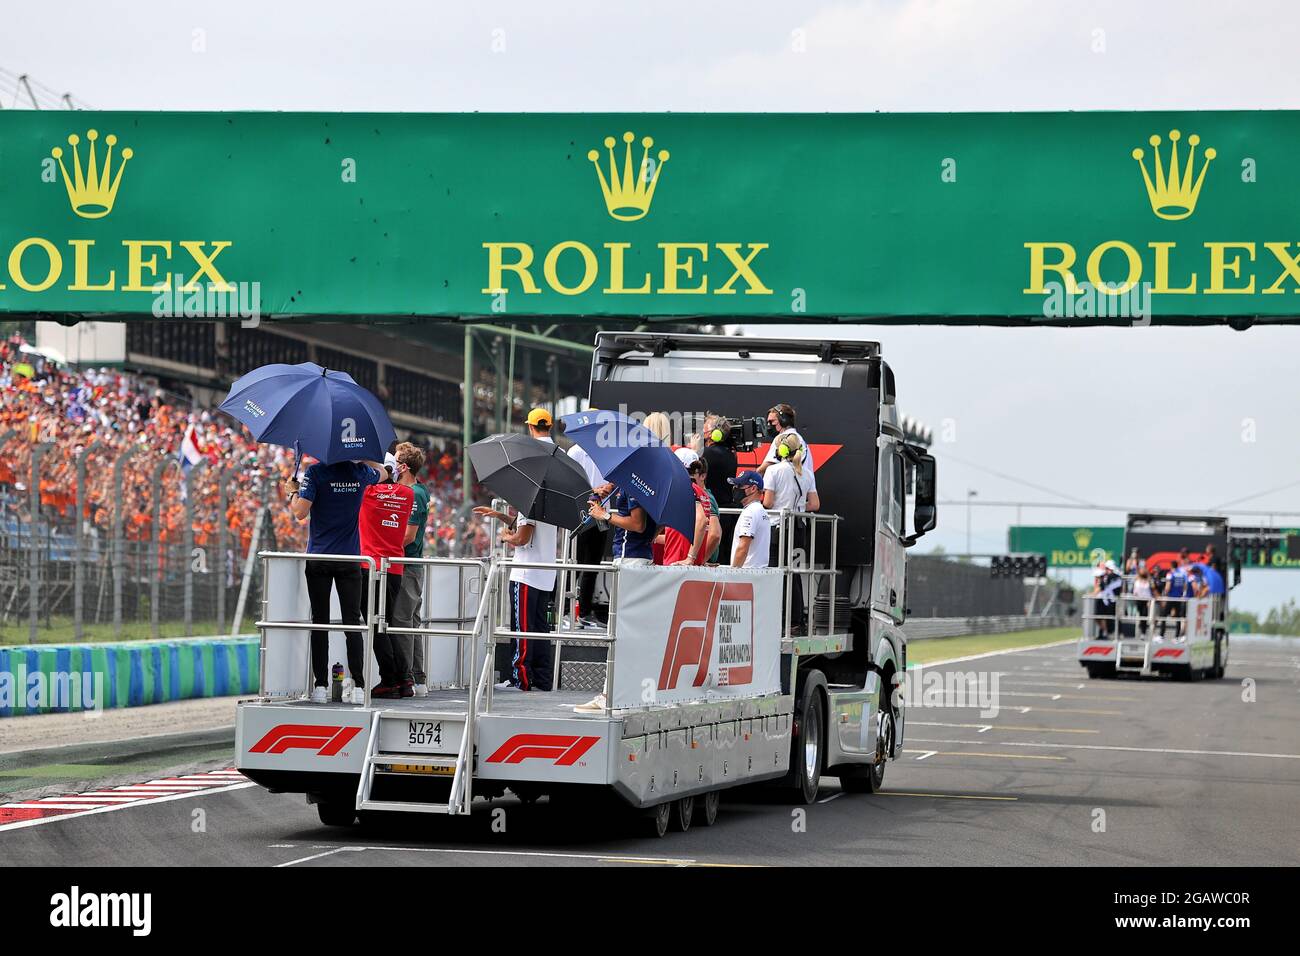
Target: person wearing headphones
point(786, 487)
point(780, 418)
point(720, 461)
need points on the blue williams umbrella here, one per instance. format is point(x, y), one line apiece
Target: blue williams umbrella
point(632, 457)
point(311, 409)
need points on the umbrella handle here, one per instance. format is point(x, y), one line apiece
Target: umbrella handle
point(297, 460)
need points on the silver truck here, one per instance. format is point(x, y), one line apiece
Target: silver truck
point(709, 679)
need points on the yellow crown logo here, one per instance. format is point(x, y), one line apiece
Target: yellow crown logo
point(1082, 537)
point(628, 197)
point(1173, 196)
point(92, 192)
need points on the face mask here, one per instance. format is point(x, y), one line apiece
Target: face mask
point(738, 496)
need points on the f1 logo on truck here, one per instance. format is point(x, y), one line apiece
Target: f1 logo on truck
point(706, 609)
point(326, 741)
point(563, 750)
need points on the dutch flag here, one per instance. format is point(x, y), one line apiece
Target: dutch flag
point(190, 453)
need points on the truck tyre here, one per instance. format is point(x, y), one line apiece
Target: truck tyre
point(683, 811)
point(1220, 657)
point(656, 822)
point(708, 806)
point(807, 751)
point(336, 813)
point(870, 778)
point(1095, 671)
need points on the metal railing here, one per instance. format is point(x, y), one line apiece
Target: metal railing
point(1140, 617)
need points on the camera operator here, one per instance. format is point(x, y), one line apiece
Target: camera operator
point(720, 461)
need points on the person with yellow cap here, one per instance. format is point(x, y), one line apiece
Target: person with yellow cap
point(531, 589)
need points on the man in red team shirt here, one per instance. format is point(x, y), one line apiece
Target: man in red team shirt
point(385, 512)
point(678, 549)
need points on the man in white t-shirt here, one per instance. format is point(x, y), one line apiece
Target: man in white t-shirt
point(752, 540)
point(531, 589)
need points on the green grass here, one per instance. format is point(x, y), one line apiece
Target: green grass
point(60, 631)
point(946, 648)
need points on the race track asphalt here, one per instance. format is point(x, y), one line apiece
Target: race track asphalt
point(1126, 772)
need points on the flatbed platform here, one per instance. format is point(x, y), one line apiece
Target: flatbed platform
point(533, 703)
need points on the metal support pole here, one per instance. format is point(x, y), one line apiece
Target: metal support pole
point(498, 393)
point(188, 549)
point(79, 561)
point(510, 388)
point(33, 552)
point(155, 584)
point(223, 503)
point(467, 424)
point(118, 545)
point(553, 367)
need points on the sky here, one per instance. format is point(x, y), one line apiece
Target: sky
point(1136, 417)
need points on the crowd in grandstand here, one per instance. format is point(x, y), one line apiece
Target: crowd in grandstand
point(100, 413)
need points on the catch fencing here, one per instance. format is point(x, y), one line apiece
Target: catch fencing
point(112, 545)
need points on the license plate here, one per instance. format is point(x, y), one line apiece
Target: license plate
point(422, 768)
point(421, 736)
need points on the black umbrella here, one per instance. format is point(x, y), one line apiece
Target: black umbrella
point(537, 477)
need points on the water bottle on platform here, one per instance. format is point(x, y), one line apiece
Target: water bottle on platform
point(336, 683)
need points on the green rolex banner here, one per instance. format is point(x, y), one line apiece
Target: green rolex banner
point(1019, 217)
point(1068, 546)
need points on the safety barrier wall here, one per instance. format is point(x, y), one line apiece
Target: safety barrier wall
point(62, 678)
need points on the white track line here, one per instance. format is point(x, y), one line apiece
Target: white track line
point(617, 857)
point(1140, 750)
point(1009, 650)
point(22, 824)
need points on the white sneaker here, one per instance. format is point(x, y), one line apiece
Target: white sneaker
point(320, 695)
point(594, 706)
point(506, 685)
point(421, 690)
point(358, 696)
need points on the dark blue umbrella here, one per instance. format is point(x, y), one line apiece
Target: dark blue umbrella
point(311, 409)
point(632, 457)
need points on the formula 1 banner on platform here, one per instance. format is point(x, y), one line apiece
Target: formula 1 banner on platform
point(1076, 218)
point(689, 634)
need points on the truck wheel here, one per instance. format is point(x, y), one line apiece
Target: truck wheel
point(336, 813)
point(658, 819)
point(806, 754)
point(871, 778)
point(709, 804)
point(1095, 671)
point(683, 811)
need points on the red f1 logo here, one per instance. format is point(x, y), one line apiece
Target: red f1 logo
point(690, 633)
point(1100, 651)
point(563, 750)
point(1168, 652)
point(326, 741)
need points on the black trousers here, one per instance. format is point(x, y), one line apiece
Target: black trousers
point(533, 660)
point(591, 548)
point(322, 576)
point(392, 651)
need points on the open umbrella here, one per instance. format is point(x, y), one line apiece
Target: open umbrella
point(537, 477)
point(632, 457)
point(311, 409)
